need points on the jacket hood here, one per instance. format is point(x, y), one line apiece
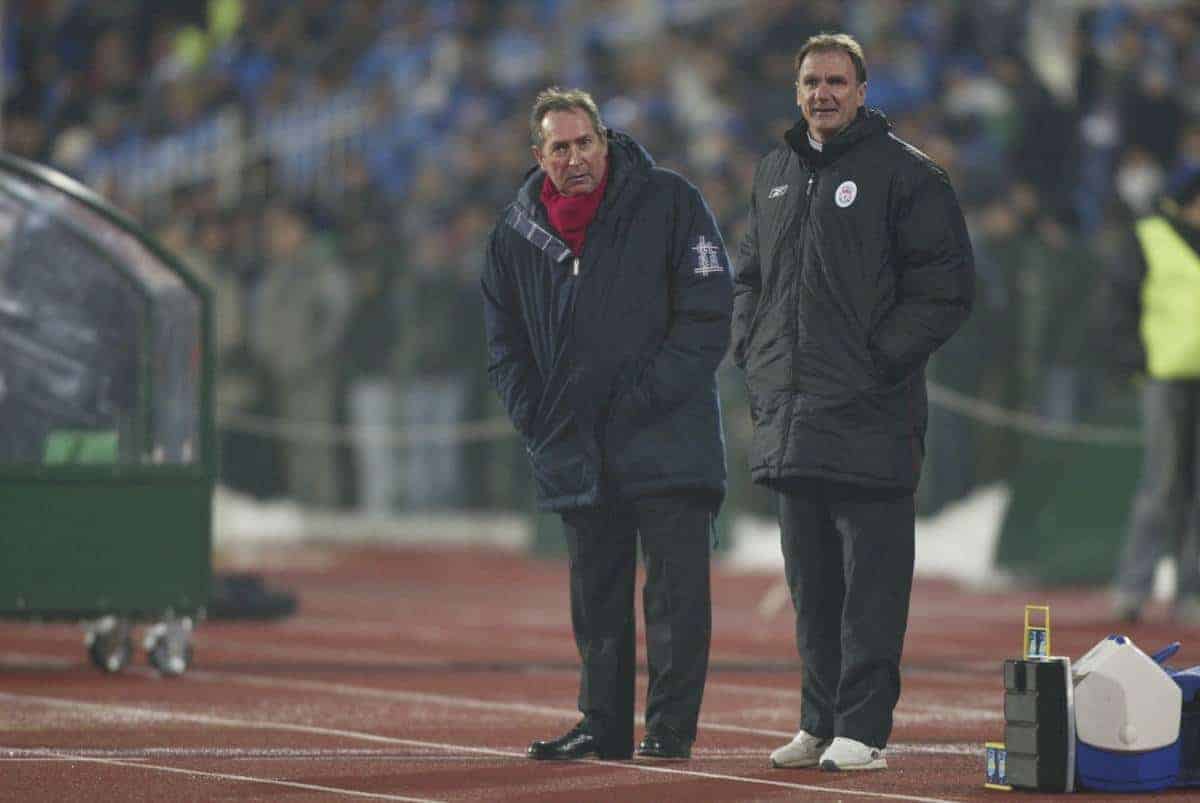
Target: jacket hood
point(868, 123)
point(629, 165)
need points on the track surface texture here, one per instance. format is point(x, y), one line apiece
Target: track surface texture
point(421, 674)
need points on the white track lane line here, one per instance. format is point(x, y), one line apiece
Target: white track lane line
point(141, 714)
point(456, 701)
point(204, 719)
point(925, 713)
point(225, 776)
point(203, 639)
point(765, 782)
point(294, 653)
point(218, 753)
point(45, 754)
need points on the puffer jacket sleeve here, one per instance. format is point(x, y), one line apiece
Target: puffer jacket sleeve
point(701, 303)
point(512, 369)
point(936, 276)
point(747, 285)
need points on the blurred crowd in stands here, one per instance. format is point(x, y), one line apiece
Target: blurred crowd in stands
point(333, 168)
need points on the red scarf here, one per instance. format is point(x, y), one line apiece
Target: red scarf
point(571, 214)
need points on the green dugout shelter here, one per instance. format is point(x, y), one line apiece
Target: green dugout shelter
point(107, 443)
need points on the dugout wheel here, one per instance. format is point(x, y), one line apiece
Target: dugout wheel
point(169, 646)
point(109, 643)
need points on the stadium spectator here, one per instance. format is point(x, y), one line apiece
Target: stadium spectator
point(136, 99)
point(433, 298)
point(1155, 320)
point(374, 255)
point(303, 307)
point(607, 301)
point(24, 135)
point(855, 268)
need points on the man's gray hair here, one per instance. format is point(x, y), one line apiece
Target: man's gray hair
point(826, 42)
point(555, 99)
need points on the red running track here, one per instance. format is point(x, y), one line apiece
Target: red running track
point(422, 674)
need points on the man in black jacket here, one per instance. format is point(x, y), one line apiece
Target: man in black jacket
point(607, 300)
point(855, 268)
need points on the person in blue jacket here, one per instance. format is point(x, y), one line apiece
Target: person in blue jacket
point(607, 303)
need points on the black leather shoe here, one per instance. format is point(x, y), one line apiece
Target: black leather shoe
point(665, 743)
point(575, 743)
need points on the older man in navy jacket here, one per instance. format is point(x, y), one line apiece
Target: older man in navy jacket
point(607, 302)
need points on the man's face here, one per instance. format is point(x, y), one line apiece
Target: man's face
point(828, 92)
point(573, 153)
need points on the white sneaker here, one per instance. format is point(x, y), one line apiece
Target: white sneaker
point(803, 751)
point(848, 754)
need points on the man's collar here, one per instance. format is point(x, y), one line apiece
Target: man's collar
point(868, 122)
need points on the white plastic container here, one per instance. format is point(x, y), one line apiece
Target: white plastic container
point(1124, 701)
point(1127, 716)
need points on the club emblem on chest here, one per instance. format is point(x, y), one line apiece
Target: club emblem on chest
point(846, 192)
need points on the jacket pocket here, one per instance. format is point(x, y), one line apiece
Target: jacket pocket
point(558, 462)
point(682, 446)
point(884, 408)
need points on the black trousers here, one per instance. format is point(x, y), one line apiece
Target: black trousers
point(848, 556)
point(675, 533)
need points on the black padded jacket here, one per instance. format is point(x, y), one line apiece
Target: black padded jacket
point(856, 266)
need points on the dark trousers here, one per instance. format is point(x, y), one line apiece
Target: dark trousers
point(848, 557)
point(675, 534)
point(1166, 510)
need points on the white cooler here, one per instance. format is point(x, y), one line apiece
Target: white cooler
point(1127, 714)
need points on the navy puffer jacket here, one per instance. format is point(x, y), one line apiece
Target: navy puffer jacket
point(606, 361)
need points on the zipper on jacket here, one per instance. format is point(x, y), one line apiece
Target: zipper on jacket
point(575, 267)
point(803, 226)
